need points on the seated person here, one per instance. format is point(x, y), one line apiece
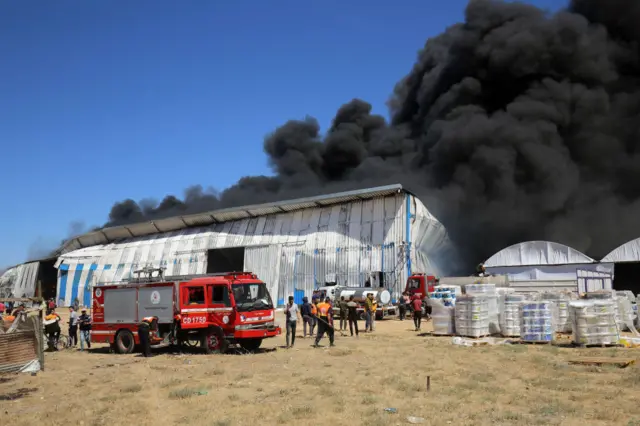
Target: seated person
point(52, 326)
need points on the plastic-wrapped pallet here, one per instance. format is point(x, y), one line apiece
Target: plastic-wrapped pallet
point(607, 295)
point(536, 322)
point(626, 314)
point(493, 312)
point(560, 309)
point(505, 290)
point(472, 315)
point(479, 288)
point(593, 322)
point(454, 289)
point(445, 294)
point(510, 314)
point(442, 317)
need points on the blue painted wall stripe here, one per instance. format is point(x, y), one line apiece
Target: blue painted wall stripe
point(62, 288)
point(408, 233)
point(75, 287)
point(86, 300)
point(64, 267)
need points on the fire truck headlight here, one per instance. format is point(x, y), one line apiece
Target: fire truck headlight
point(243, 318)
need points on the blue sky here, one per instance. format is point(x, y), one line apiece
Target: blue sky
point(99, 103)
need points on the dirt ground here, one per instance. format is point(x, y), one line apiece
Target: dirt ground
point(350, 384)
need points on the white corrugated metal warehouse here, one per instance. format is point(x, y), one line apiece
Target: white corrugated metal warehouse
point(544, 265)
point(291, 245)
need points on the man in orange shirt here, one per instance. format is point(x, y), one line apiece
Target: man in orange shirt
point(325, 322)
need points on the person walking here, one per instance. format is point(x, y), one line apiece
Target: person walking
point(403, 307)
point(84, 322)
point(291, 313)
point(344, 311)
point(368, 310)
point(417, 311)
point(314, 314)
point(352, 307)
point(325, 322)
point(73, 327)
point(307, 318)
point(374, 310)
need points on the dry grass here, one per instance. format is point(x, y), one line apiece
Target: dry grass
point(350, 384)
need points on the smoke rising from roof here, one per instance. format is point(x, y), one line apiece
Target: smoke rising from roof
point(511, 126)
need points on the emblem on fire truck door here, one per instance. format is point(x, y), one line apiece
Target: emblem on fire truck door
point(98, 292)
point(155, 297)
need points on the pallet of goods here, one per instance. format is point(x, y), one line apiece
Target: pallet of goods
point(536, 322)
point(510, 314)
point(472, 315)
point(593, 322)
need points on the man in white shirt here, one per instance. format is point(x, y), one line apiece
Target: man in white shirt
point(73, 327)
point(291, 312)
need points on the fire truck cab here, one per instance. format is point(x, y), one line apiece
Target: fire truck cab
point(420, 284)
point(211, 311)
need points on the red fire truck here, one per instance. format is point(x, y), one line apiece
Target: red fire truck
point(211, 311)
point(420, 284)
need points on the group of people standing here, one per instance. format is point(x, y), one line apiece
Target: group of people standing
point(320, 313)
point(415, 305)
point(317, 313)
point(82, 322)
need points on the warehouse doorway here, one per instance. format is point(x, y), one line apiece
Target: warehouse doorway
point(627, 276)
point(225, 260)
point(47, 281)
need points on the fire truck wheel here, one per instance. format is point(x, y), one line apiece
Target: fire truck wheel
point(213, 342)
point(361, 316)
point(124, 342)
point(250, 345)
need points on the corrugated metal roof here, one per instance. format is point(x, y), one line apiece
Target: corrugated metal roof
point(108, 235)
point(537, 253)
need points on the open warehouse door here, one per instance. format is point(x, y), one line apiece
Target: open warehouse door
point(225, 260)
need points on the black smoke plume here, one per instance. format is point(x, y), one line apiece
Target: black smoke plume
point(514, 125)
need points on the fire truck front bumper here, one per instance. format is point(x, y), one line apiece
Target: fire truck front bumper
point(254, 331)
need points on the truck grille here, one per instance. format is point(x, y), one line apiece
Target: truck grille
point(263, 326)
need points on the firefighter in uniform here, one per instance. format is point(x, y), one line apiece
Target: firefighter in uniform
point(143, 334)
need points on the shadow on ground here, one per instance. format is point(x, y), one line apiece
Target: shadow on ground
point(17, 394)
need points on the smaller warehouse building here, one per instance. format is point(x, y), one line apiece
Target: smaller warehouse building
point(626, 261)
point(37, 278)
point(547, 266)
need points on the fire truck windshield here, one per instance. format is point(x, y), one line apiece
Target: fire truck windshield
point(414, 284)
point(251, 297)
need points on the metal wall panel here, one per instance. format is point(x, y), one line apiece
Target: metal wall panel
point(120, 305)
point(265, 262)
point(20, 280)
point(160, 305)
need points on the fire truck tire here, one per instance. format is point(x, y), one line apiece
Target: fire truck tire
point(124, 342)
point(250, 345)
point(213, 341)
